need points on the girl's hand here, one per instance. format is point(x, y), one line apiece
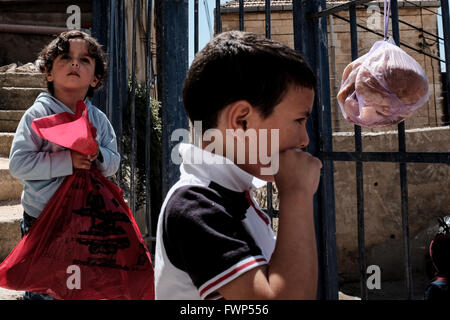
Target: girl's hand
point(80, 161)
point(93, 156)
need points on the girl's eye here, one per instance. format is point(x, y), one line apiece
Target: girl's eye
point(85, 60)
point(301, 120)
point(65, 56)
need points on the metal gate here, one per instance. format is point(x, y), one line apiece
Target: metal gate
point(311, 39)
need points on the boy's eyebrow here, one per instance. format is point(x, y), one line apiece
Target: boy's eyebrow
point(306, 113)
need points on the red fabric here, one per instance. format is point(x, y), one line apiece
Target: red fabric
point(87, 236)
point(73, 131)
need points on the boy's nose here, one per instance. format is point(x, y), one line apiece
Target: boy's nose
point(304, 141)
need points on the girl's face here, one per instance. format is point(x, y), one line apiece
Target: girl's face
point(73, 71)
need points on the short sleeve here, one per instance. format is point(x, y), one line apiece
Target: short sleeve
point(204, 236)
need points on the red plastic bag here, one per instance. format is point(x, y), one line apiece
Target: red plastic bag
point(85, 244)
point(60, 128)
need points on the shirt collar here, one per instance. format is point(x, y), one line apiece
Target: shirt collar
point(217, 168)
point(60, 104)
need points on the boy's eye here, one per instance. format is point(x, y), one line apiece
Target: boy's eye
point(301, 120)
point(65, 56)
point(86, 60)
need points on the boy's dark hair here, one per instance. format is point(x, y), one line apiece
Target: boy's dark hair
point(61, 45)
point(239, 65)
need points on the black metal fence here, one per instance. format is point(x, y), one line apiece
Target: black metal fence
point(402, 156)
point(119, 96)
point(311, 39)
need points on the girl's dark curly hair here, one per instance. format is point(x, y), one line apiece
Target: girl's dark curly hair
point(61, 45)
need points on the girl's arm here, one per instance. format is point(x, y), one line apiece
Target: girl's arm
point(28, 162)
point(108, 159)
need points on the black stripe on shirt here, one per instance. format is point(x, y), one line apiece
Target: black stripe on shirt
point(203, 232)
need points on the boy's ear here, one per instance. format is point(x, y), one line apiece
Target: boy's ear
point(95, 81)
point(239, 114)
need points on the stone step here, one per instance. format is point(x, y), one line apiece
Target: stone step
point(16, 98)
point(9, 119)
point(6, 294)
point(6, 139)
point(11, 214)
point(22, 79)
point(10, 187)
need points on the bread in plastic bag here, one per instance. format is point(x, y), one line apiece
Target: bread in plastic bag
point(382, 87)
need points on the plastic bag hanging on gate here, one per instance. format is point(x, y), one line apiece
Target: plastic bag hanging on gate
point(384, 86)
point(86, 243)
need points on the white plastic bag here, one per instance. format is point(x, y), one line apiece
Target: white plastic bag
point(382, 87)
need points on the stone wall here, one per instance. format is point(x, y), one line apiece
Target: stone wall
point(427, 199)
point(24, 48)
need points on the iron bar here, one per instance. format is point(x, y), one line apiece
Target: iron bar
point(338, 8)
point(446, 27)
point(269, 184)
point(403, 169)
point(310, 38)
point(241, 15)
point(304, 44)
point(195, 26)
point(133, 112)
point(113, 5)
point(116, 119)
point(218, 18)
point(123, 81)
point(174, 48)
point(420, 6)
point(327, 204)
point(148, 122)
point(359, 171)
point(406, 157)
point(267, 21)
point(331, 284)
point(100, 32)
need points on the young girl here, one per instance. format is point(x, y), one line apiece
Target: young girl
point(75, 66)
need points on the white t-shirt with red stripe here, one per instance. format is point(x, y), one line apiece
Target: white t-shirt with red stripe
point(210, 230)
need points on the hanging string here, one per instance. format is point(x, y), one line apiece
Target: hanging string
point(387, 13)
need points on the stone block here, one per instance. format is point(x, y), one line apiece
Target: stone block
point(285, 39)
point(10, 218)
point(9, 119)
point(10, 187)
point(6, 139)
point(18, 79)
point(15, 98)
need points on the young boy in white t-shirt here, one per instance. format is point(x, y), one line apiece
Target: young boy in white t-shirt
point(213, 241)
